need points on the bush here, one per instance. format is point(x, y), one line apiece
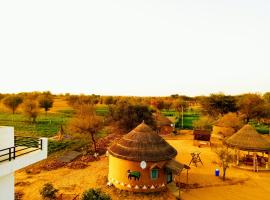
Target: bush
point(48, 191)
point(95, 194)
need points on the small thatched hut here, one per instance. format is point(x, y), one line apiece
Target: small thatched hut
point(248, 140)
point(142, 161)
point(164, 124)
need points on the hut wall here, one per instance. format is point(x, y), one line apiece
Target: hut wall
point(165, 130)
point(225, 131)
point(118, 176)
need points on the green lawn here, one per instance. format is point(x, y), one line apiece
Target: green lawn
point(189, 117)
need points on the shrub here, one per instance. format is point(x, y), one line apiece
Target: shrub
point(48, 191)
point(95, 194)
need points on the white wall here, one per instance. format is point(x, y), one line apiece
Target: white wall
point(25, 160)
point(7, 168)
point(7, 187)
point(6, 137)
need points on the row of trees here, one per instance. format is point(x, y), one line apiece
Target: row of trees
point(251, 106)
point(30, 103)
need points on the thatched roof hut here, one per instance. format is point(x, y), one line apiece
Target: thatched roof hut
point(248, 139)
point(162, 120)
point(142, 161)
point(142, 143)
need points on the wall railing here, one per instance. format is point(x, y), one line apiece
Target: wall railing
point(22, 146)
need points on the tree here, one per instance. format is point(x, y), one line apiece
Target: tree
point(217, 104)
point(225, 158)
point(77, 101)
point(12, 102)
point(48, 191)
point(87, 122)
point(203, 123)
point(2, 96)
point(108, 100)
point(251, 106)
point(46, 101)
point(231, 120)
point(30, 108)
point(95, 194)
point(129, 116)
point(266, 97)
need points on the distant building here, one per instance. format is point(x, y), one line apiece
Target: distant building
point(17, 153)
point(164, 124)
point(142, 161)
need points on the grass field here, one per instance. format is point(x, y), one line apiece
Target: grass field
point(46, 126)
point(189, 117)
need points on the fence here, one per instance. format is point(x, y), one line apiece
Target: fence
point(22, 146)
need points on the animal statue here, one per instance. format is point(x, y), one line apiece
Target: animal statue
point(134, 174)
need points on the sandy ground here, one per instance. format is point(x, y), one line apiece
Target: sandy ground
point(241, 184)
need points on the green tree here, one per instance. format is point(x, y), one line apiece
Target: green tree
point(129, 116)
point(108, 100)
point(46, 102)
point(251, 106)
point(95, 194)
point(217, 104)
point(30, 109)
point(225, 158)
point(203, 123)
point(266, 97)
point(12, 102)
point(86, 122)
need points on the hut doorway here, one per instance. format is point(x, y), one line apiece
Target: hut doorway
point(169, 176)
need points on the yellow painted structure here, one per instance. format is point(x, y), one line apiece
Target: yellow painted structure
point(118, 175)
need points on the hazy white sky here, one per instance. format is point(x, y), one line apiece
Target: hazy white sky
point(135, 47)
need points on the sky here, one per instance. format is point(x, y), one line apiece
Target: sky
point(139, 48)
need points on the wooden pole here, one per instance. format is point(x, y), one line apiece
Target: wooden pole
point(268, 163)
point(179, 186)
point(187, 176)
point(237, 157)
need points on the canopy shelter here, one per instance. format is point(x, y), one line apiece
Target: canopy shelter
point(247, 139)
point(176, 168)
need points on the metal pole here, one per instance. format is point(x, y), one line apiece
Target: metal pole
point(182, 117)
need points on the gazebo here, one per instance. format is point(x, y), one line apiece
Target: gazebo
point(142, 161)
point(247, 141)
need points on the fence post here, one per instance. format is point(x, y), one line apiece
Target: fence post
point(9, 154)
point(14, 153)
point(40, 144)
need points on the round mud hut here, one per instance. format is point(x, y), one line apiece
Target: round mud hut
point(247, 141)
point(142, 161)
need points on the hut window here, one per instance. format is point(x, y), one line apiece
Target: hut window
point(154, 174)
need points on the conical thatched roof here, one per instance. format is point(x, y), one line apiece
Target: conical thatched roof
point(142, 143)
point(247, 138)
point(162, 120)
